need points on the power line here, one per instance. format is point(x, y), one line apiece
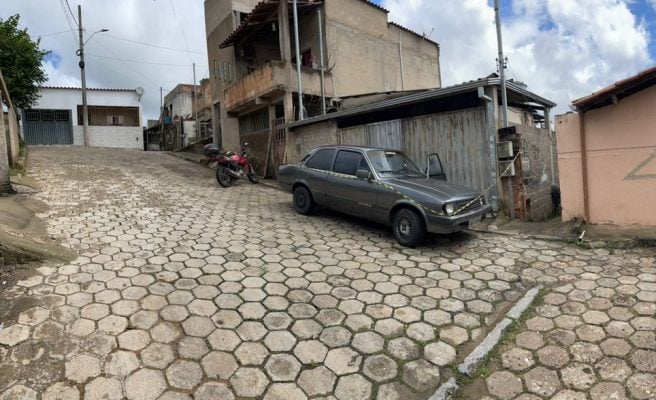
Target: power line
point(51, 34)
point(72, 15)
point(152, 45)
point(139, 61)
point(68, 21)
point(184, 37)
point(124, 63)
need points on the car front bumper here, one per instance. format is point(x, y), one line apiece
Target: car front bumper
point(446, 224)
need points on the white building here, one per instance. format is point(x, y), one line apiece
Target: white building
point(115, 117)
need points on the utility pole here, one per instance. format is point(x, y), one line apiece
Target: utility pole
point(298, 64)
point(502, 64)
point(323, 84)
point(85, 115)
point(193, 104)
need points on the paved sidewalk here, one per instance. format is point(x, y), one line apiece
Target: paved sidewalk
point(183, 289)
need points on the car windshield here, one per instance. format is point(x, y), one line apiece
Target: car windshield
point(390, 163)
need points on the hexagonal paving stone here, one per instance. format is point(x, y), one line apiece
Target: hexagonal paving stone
point(184, 374)
point(145, 384)
point(219, 365)
point(280, 341)
point(103, 388)
point(82, 367)
point(249, 382)
point(121, 363)
point(542, 381)
point(157, 355)
point(421, 375)
point(213, 390)
point(113, 324)
point(134, 339)
point(251, 353)
point(504, 385)
point(379, 368)
point(33, 316)
point(317, 381)
point(14, 334)
point(553, 356)
point(368, 342)
point(353, 387)
point(310, 351)
point(343, 361)
point(440, 354)
point(642, 386)
point(61, 391)
point(282, 367)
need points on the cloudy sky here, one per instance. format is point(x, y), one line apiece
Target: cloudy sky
point(563, 49)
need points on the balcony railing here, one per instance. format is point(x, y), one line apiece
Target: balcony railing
point(270, 81)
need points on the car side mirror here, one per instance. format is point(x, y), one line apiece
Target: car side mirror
point(364, 174)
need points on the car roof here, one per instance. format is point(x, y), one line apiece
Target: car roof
point(353, 147)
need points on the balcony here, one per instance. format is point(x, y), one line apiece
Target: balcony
point(266, 84)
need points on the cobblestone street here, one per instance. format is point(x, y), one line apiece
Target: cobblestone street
point(184, 290)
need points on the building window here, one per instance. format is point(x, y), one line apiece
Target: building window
point(110, 116)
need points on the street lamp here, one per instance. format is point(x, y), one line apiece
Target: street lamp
point(80, 52)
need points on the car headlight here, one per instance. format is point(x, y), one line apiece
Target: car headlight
point(449, 209)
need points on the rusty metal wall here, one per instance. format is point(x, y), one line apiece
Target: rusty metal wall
point(458, 137)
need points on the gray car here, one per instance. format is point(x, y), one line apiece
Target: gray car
point(383, 186)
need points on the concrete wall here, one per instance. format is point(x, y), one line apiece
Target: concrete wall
point(364, 51)
point(127, 137)
point(105, 136)
point(180, 103)
point(302, 140)
point(621, 162)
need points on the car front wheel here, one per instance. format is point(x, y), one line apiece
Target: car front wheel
point(303, 203)
point(409, 227)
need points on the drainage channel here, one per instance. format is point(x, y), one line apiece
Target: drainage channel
point(473, 359)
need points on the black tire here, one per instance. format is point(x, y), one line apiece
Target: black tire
point(409, 227)
point(303, 203)
point(224, 177)
point(253, 177)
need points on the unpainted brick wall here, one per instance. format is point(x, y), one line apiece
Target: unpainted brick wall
point(538, 149)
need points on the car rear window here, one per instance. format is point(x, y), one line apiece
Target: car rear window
point(322, 159)
point(347, 162)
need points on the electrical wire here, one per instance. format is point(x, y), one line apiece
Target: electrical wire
point(51, 34)
point(139, 62)
point(124, 63)
point(68, 21)
point(184, 37)
point(152, 45)
point(72, 15)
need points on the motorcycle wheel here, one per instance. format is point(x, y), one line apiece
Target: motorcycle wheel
point(224, 177)
point(253, 177)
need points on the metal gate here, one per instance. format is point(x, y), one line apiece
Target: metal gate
point(279, 143)
point(47, 127)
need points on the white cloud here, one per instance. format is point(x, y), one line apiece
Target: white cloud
point(149, 21)
point(562, 49)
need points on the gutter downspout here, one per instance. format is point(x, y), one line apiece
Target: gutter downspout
point(492, 148)
point(401, 62)
point(584, 166)
point(301, 113)
point(323, 82)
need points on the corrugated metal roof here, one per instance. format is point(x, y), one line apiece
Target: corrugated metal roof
point(428, 95)
point(604, 96)
point(96, 89)
point(371, 3)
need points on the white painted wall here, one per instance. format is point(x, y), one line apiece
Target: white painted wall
point(106, 136)
point(180, 104)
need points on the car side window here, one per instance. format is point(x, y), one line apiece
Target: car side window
point(347, 162)
point(322, 159)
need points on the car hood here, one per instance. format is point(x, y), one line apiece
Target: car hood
point(434, 188)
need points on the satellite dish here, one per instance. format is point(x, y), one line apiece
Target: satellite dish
point(140, 91)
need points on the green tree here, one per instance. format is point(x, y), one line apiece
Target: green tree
point(20, 62)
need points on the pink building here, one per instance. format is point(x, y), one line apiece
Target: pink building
point(607, 154)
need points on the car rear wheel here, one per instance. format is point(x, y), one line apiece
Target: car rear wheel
point(409, 227)
point(303, 203)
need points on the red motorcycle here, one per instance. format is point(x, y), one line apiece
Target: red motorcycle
point(230, 166)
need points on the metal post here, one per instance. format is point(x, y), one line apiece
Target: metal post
point(502, 64)
point(298, 63)
point(323, 87)
point(85, 115)
point(193, 104)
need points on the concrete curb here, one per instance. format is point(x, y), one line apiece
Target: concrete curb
point(473, 359)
